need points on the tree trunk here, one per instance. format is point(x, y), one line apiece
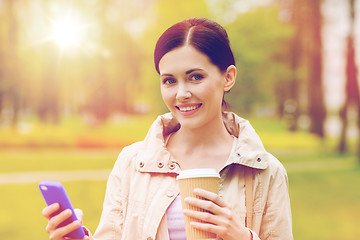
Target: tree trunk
point(13, 62)
point(295, 61)
point(317, 111)
point(352, 96)
point(343, 116)
point(48, 108)
point(1, 84)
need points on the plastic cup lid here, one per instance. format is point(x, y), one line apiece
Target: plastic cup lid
point(198, 172)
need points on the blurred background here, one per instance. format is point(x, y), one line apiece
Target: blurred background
point(77, 84)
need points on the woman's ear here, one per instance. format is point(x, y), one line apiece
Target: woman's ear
point(230, 78)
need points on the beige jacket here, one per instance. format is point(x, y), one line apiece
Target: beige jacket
point(142, 185)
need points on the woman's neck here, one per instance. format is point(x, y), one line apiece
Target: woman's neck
point(212, 136)
point(206, 147)
point(205, 135)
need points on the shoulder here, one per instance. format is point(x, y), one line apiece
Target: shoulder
point(128, 155)
point(274, 165)
point(131, 150)
point(275, 174)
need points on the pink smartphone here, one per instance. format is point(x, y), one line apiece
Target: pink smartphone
point(54, 192)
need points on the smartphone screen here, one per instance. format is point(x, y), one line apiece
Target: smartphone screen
point(54, 192)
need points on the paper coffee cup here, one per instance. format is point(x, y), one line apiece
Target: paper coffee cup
point(205, 178)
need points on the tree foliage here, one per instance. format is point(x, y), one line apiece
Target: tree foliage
point(260, 42)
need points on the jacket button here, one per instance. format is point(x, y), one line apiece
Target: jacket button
point(172, 166)
point(149, 238)
point(258, 159)
point(170, 194)
point(141, 164)
point(160, 165)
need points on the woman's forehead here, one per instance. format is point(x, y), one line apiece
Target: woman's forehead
point(183, 59)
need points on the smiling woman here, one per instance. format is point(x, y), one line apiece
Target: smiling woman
point(196, 68)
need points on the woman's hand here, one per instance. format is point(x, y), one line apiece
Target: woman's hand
point(220, 219)
point(53, 223)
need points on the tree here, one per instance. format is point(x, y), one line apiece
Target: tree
point(11, 75)
point(48, 106)
point(291, 106)
point(260, 42)
point(317, 110)
point(352, 98)
point(306, 65)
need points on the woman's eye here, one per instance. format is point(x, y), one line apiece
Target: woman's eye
point(169, 81)
point(197, 77)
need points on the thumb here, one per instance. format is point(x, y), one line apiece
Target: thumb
point(79, 214)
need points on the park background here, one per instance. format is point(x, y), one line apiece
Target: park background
point(77, 84)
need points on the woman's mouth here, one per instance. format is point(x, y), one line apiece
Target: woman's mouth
point(187, 110)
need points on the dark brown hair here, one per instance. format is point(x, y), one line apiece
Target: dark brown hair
point(207, 36)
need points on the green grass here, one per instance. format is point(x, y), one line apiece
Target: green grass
point(273, 132)
point(325, 204)
point(74, 132)
point(55, 159)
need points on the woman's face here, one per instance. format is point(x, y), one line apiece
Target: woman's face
point(191, 86)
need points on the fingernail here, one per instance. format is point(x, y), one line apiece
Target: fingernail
point(55, 205)
point(197, 190)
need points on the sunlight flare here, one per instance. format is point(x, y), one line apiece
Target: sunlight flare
point(68, 31)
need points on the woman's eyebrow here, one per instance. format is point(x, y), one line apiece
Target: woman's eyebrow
point(187, 72)
point(166, 74)
point(193, 70)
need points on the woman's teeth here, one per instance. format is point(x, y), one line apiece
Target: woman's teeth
point(186, 109)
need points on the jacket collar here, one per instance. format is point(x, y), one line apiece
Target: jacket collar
point(154, 157)
point(249, 150)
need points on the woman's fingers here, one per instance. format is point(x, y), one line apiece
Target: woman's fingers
point(79, 214)
point(210, 196)
point(207, 217)
point(204, 204)
point(218, 217)
point(56, 220)
point(56, 232)
point(49, 210)
point(217, 229)
point(217, 212)
point(62, 231)
point(210, 223)
point(208, 201)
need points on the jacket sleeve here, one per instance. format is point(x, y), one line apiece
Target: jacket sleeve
point(107, 227)
point(277, 221)
point(112, 217)
point(88, 233)
point(254, 236)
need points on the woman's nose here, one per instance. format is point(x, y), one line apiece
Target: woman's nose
point(183, 92)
